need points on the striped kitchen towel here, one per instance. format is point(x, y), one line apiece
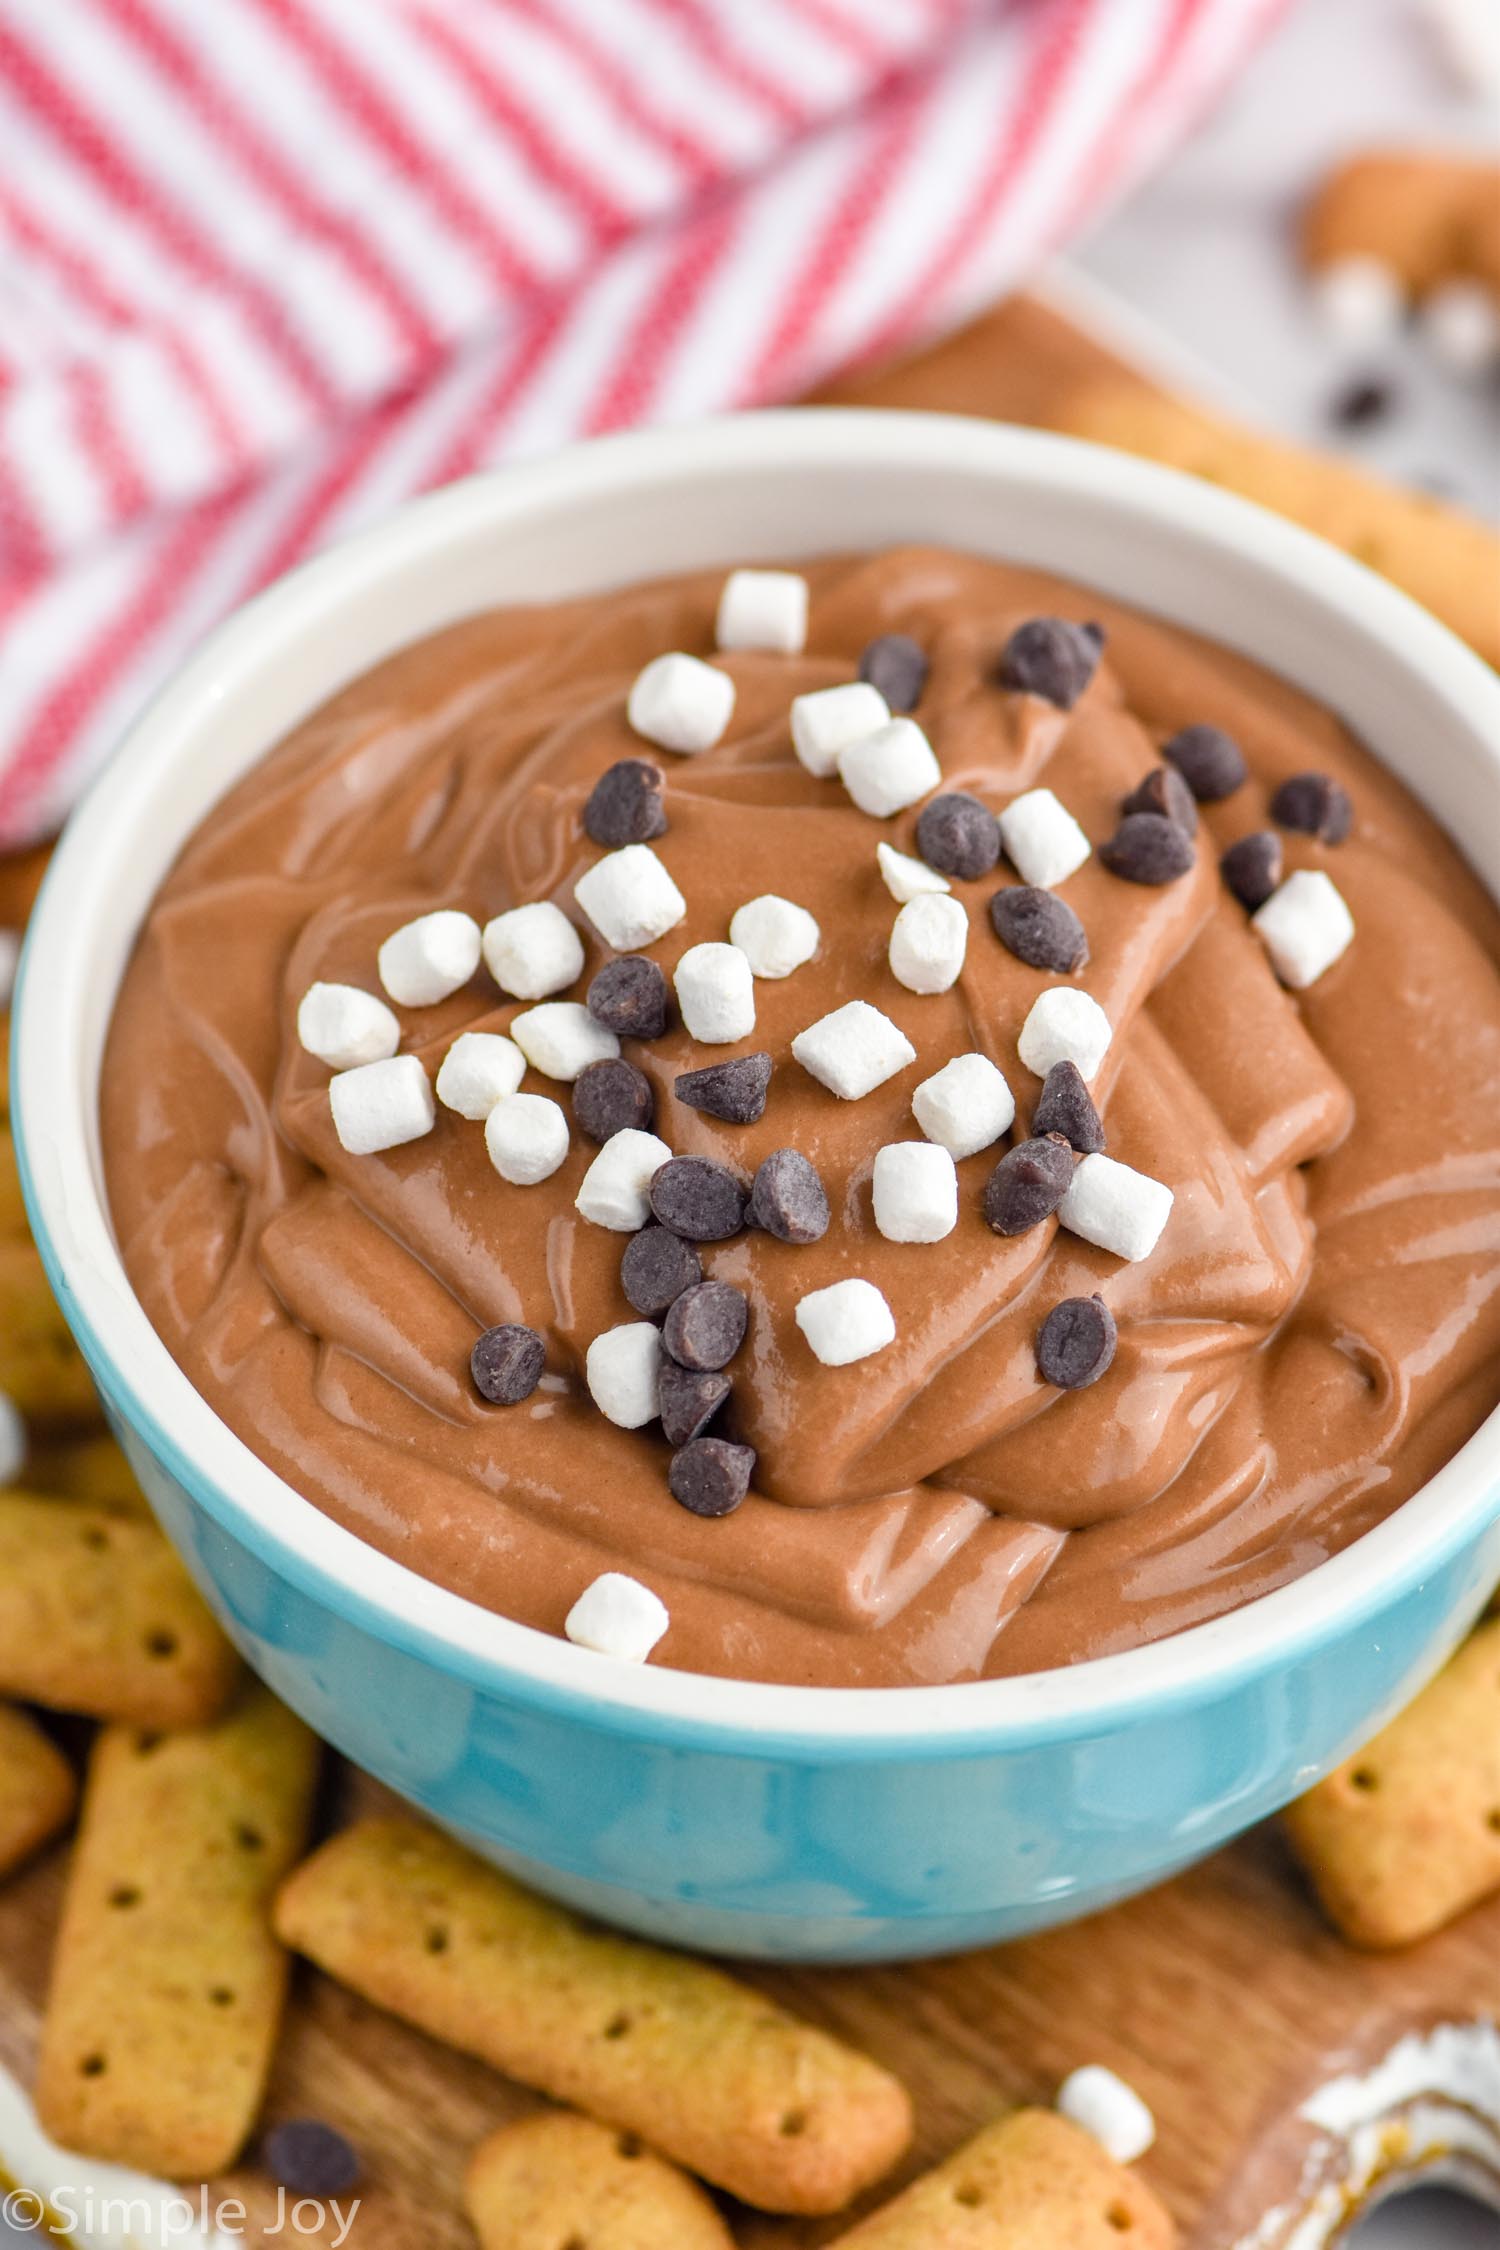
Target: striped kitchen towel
point(269, 266)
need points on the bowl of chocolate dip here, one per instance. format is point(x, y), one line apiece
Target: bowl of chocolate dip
point(779, 1144)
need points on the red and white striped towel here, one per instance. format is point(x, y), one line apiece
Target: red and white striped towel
point(269, 266)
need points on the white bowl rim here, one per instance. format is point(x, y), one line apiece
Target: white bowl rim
point(493, 1653)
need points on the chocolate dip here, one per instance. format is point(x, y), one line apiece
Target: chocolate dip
point(1315, 1333)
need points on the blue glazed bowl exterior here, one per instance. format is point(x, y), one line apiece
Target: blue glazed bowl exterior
point(777, 1822)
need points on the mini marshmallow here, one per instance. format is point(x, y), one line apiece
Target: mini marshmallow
point(561, 1038)
point(1305, 926)
point(928, 943)
point(1115, 1208)
point(680, 703)
point(1460, 325)
point(716, 994)
point(12, 1440)
point(615, 1187)
point(533, 951)
point(1468, 32)
point(849, 1320)
point(1064, 1025)
point(853, 1050)
point(763, 609)
point(623, 1371)
point(617, 1616)
point(1104, 2106)
point(427, 960)
point(1359, 299)
point(907, 878)
point(1042, 840)
point(916, 1191)
point(828, 719)
point(527, 1137)
point(10, 959)
point(775, 936)
point(479, 1069)
point(888, 770)
point(344, 1027)
point(630, 898)
point(965, 1106)
point(381, 1105)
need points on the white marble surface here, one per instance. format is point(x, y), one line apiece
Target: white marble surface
point(1207, 247)
point(1206, 252)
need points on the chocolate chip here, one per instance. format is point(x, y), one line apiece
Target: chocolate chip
point(1252, 867)
point(1067, 1107)
point(710, 1477)
point(1039, 929)
point(506, 1363)
point(698, 1198)
point(657, 1266)
point(1364, 400)
point(1164, 791)
point(1210, 761)
point(1049, 657)
point(734, 1090)
point(1148, 848)
point(958, 835)
point(1076, 1343)
point(690, 1398)
point(629, 997)
point(706, 1325)
point(1315, 805)
point(896, 667)
point(1027, 1185)
point(610, 1096)
point(788, 1199)
point(311, 2158)
point(625, 804)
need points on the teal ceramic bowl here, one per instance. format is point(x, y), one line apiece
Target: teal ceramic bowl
point(778, 1822)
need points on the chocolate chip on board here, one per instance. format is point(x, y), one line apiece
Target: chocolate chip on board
point(706, 1325)
point(625, 804)
point(1355, 405)
point(1252, 867)
point(1039, 929)
point(734, 1090)
point(788, 1199)
point(1210, 761)
point(610, 1097)
point(1067, 1107)
point(1165, 791)
point(1027, 1185)
point(311, 2158)
point(657, 1266)
point(506, 1363)
point(698, 1199)
point(1052, 658)
point(1076, 1343)
point(1148, 848)
point(1314, 804)
point(958, 835)
point(629, 998)
point(710, 1477)
point(690, 1398)
point(896, 667)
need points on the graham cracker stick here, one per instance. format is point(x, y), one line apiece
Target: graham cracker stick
point(1030, 2182)
point(37, 1789)
point(560, 2178)
point(167, 1984)
point(711, 2072)
point(98, 1615)
point(1406, 1834)
point(41, 1367)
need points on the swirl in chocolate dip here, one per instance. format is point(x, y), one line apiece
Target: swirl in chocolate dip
point(1316, 1331)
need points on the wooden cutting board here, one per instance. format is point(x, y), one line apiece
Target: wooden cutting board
point(1222, 1996)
